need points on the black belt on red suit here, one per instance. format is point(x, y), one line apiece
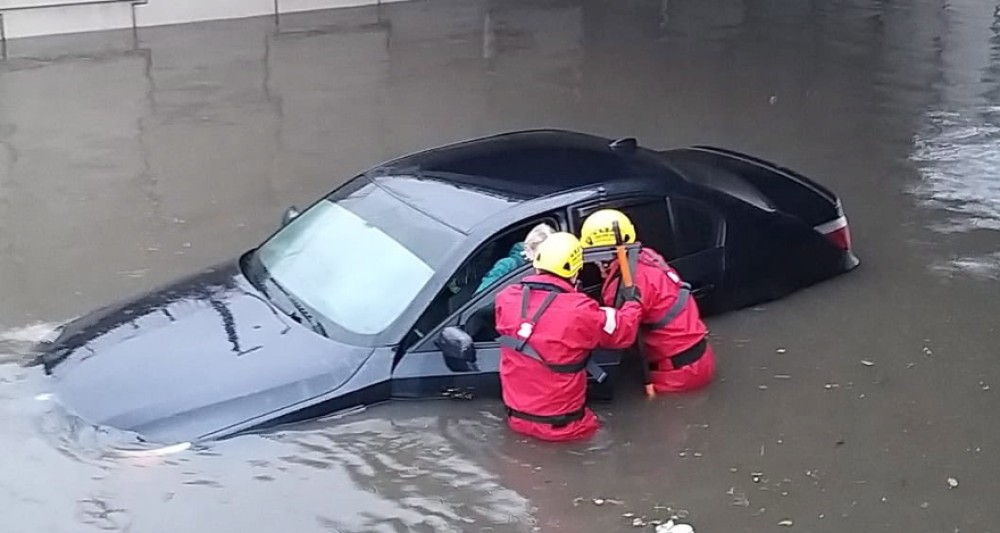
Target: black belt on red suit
point(685, 358)
point(555, 421)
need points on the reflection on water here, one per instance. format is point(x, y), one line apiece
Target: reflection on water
point(422, 464)
point(353, 473)
point(958, 153)
point(984, 267)
point(16, 343)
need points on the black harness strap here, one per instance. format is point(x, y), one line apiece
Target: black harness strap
point(682, 296)
point(675, 309)
point(520, 343)
point(525, 298)
point(515, 344)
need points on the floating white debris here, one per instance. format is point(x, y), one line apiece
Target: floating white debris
point(786, 523)
point(952, 482)
point(665, 528)
point(671, 527)
point(638, 522)
point(781, 350)
point(867, 362)
point(598, 501)
point(628, 515)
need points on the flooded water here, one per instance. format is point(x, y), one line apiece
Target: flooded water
point(127, 160)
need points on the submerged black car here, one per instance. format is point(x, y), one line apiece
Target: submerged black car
point(346, 303)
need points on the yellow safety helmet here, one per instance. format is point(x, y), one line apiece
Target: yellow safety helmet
point(598, 228)
point(561, 254)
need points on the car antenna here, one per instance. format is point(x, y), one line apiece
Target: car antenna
point(626, 145)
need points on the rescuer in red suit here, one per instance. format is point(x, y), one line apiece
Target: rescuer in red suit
point(548, 330)
point(674, 338)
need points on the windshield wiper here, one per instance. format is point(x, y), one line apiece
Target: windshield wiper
point(311, 320)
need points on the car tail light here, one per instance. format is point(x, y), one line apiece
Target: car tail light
point(838, 232)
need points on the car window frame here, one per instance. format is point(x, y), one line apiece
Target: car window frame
point(557, 218)
point(718, 218)
point(580, 212)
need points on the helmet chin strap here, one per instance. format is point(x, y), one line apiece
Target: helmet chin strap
point(571, 281)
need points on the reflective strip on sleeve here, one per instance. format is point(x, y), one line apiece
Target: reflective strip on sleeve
point(610, 320)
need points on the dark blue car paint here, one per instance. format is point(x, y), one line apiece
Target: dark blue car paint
point(204, 354)
point(212, 355)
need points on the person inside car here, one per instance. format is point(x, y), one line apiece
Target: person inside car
point(674, 338)
point(519, 255)
point(547, 331)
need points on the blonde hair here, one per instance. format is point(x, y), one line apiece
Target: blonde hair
point(535, 237)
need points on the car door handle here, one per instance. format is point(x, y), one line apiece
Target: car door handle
point(699, 289)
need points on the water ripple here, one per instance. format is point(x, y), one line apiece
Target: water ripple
point(17, 343)
point(418, 464)
point(959, 162)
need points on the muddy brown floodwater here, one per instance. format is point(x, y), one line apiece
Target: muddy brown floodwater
point(129, 159)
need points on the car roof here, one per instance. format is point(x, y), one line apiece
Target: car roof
point(467, 183)
point(456, 201)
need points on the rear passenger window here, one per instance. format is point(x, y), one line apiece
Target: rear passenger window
point(652, 223)
point(697, 226)
point(650, 217)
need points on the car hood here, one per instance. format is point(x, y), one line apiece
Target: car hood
point(194, 359)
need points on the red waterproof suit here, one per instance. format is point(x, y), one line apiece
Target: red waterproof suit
point(674, 337)
point(544, 377)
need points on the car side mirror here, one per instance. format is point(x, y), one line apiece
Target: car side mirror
point(289, 215)
point(457, 347)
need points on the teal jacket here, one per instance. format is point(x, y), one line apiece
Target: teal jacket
point(515, 258)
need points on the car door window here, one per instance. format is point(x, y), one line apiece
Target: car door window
point(479, 319)
point(465, 284)
point(697, 226)
point(650, 217)
point(500, 255)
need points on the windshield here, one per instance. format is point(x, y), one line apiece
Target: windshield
point(359, 261)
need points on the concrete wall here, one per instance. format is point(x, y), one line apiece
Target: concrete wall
point(72, 16)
